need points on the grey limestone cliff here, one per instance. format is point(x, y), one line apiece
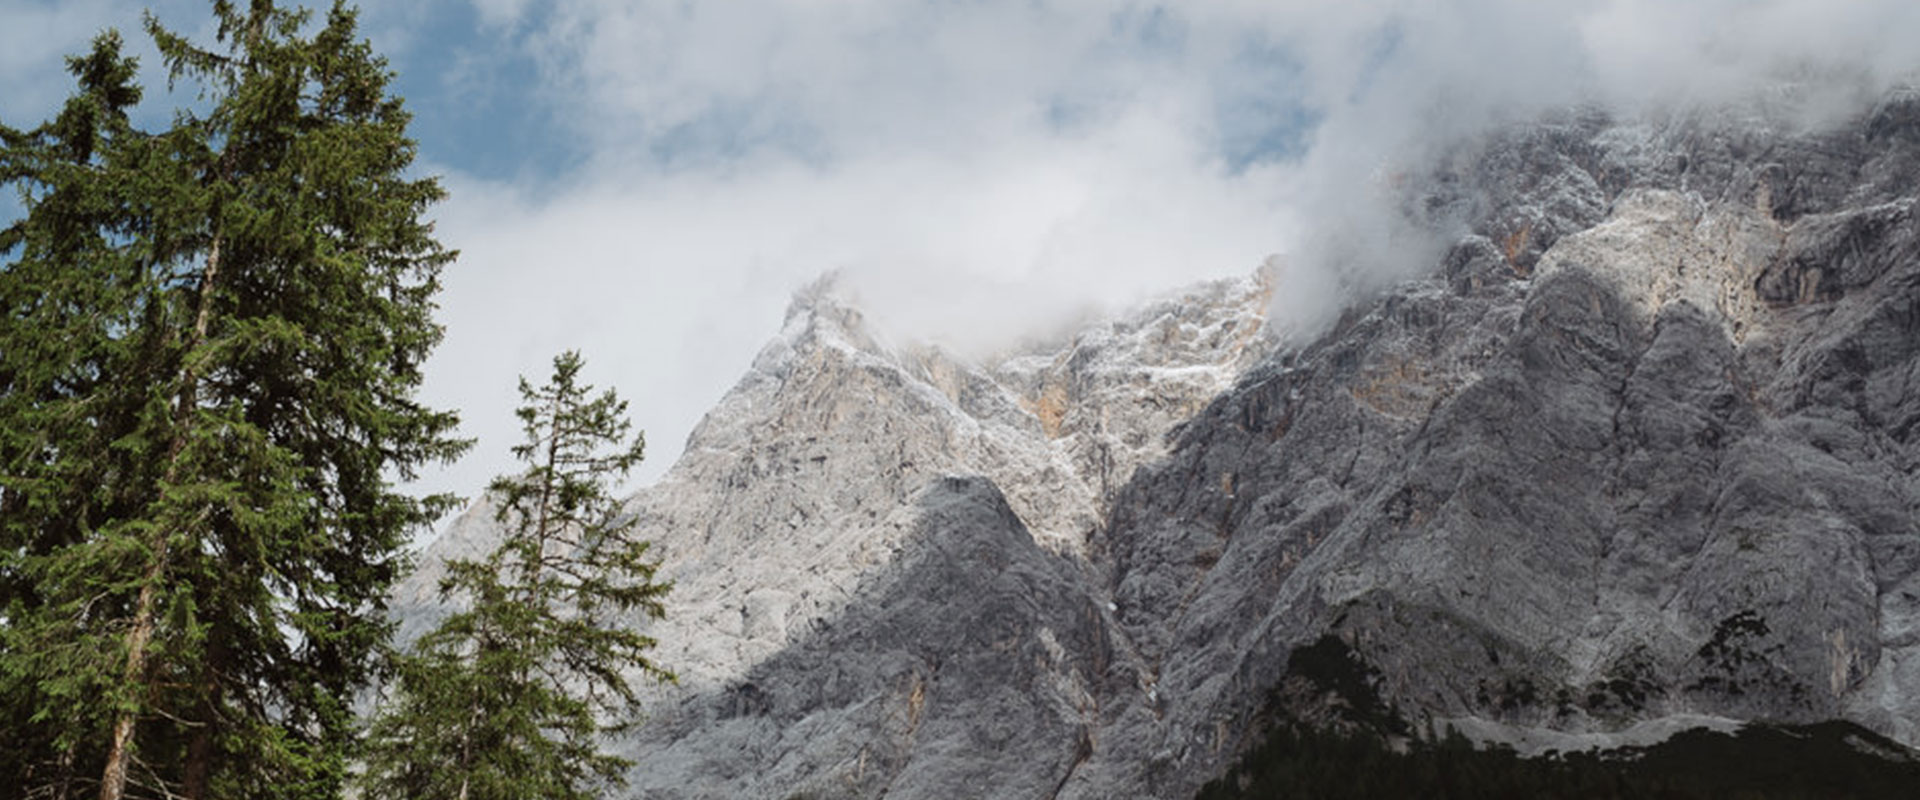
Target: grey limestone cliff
point(1639, 453)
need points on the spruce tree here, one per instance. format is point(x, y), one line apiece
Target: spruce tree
point(209, 346)
point(509, 697)
point(64, 293)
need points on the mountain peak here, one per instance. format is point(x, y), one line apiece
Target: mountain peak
point(1635, 456)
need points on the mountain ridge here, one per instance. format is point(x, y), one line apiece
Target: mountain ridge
point(1634, 452)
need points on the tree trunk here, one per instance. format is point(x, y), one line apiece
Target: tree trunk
point(200, 752)
point(113, 780)
point(466, 746)
point(193, 785)
point(65, 782)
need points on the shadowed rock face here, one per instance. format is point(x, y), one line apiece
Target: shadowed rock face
point(1640, 449)
point(880, 553)
point(972, 651)
point(1636, 478)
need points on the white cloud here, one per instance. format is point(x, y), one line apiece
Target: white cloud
point(670, 282)
point(979, 168)
point(500, 13)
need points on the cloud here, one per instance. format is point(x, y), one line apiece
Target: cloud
point(672, 280)
point(977, 170)
point(974, 170)
point(981, 170)
point(1678, 52)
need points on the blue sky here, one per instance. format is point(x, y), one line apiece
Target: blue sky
point(649, 180)
point(479, 95)
point(477, 100)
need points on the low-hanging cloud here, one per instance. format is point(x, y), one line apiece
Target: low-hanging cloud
point(982, 170)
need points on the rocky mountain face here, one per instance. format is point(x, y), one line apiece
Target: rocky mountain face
point(1639, 454)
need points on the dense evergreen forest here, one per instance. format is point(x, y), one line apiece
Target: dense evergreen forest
point(211, 340)
point(1361, 748)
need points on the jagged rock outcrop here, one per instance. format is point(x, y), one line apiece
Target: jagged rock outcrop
point(1655, 470)
point(812, 526)
point(1639, 453)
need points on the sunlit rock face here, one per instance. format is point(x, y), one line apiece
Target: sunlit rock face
point(1638, 453)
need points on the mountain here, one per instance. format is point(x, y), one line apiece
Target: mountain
point(1636, 455)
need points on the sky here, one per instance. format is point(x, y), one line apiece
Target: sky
point(648, 181)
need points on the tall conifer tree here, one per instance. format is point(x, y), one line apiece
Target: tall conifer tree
point(212, 337)
point(508, 698)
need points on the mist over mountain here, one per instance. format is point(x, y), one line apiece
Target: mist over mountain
point(981, 171)
point(1629, 454)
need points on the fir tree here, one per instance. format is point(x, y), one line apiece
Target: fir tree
point(509, 697)
point(209, 344)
